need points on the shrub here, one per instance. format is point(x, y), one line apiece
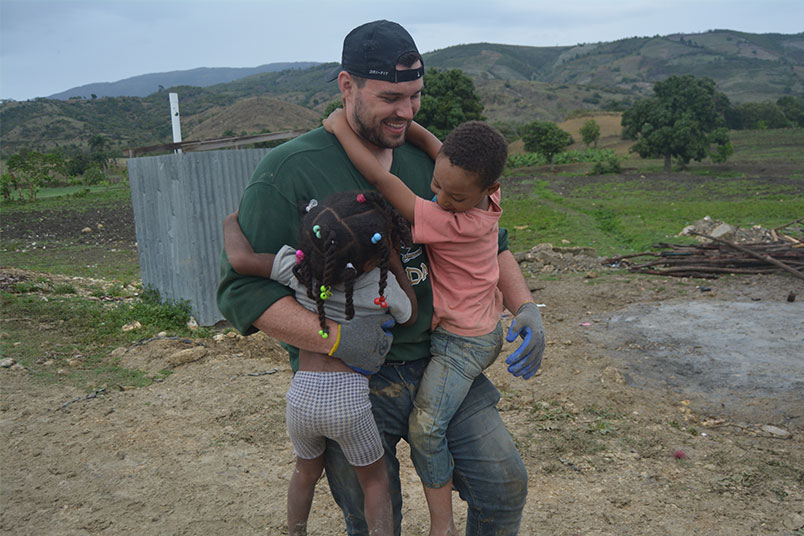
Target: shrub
point(94, 175)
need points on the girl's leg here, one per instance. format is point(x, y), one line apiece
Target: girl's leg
point(300, 493)
point(373, 479)
point(439, 502)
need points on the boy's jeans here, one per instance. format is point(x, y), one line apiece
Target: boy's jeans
point(455, 363)
point(489, 473)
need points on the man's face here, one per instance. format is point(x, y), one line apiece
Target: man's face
point(381, 112)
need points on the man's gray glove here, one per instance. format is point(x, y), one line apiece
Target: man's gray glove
point(526, 359)
point(363, 342)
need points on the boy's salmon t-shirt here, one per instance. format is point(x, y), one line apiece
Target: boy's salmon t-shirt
point(462, 248)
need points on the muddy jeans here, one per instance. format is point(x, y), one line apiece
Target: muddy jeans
point(455, 363)
point(489, 473)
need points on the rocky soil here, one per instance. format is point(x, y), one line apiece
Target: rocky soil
point(638, 424)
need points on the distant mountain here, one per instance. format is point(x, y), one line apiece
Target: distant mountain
point(516, 85)
point(144, 85)
point(747, 67)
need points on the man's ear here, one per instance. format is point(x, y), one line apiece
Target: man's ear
point(346, 84)
point(493, 188)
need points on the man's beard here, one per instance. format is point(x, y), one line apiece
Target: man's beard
point(373, 133)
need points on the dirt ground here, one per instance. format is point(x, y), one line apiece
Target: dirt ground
point(619, 433)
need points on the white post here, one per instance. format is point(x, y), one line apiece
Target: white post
point(174, 118)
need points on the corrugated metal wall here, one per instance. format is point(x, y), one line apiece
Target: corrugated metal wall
point(179, 203)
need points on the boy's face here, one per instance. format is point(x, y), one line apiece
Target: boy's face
point(456, 189)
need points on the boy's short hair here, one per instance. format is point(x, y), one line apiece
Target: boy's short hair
point(479, 148)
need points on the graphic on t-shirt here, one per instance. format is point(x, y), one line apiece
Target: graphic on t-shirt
point(409, 254)
point(416, 275)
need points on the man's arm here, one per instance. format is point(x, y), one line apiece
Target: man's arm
point(527, 323)
point(251, 303)
point(512, 283)
point(288, 321)
point(390, 186)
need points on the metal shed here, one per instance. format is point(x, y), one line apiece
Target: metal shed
point(179, 203)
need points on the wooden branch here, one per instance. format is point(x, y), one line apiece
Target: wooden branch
point(766, 258)
point(788, 224)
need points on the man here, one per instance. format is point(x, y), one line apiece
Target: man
point(381, 80)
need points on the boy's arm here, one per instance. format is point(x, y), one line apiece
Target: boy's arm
point(240, 253)
point(396, 268)
point(390, 186)
point(423, 139)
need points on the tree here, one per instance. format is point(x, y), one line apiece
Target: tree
point(545, 138)
point(30, 170)
point(448, 100)
point(590, 132)
point(760, 115)
point(331, 107)
point(98, 144)
point(683, 120)
point(793, 109)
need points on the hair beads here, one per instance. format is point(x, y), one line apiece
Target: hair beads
point(326, 292)
point(338, 238)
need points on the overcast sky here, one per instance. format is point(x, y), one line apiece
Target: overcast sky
point(48, 46)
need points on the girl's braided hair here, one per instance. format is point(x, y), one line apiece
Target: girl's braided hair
point(336, 241)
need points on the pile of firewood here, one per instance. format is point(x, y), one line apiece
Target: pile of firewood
point(719, 256)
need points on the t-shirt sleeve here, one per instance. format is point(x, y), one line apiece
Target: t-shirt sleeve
point(398, 302)
point(434, 225)
point(282, 269)
point(431, 224)
point(242, 299)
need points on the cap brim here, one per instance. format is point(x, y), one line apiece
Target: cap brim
point(333, 74)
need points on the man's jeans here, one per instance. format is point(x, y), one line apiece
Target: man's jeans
point(489, 473)
point(455, 363)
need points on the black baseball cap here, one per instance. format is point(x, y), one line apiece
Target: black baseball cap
point(372, 50)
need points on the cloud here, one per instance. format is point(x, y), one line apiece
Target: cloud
point(47, 46)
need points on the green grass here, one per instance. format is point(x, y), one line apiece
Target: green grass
point(780, 144)
point(75, 334)
point(631, 212)
point(76, 197)
point(78, 191)
point(75, 260)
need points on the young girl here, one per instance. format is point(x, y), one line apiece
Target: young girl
point(459, 228)
point(346, 248)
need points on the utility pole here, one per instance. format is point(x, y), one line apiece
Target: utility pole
point(174, 118)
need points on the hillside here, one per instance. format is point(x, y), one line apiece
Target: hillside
point(747, 67)
point(516, 84)
point(254, 114)
point(146, 84)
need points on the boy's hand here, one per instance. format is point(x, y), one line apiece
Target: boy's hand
point(334, 120)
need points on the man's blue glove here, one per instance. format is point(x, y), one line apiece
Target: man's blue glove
point(526, 359)
point(363, 342)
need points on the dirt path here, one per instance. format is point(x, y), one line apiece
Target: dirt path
point(205, 451)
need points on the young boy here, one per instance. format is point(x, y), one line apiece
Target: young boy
point(459, 228)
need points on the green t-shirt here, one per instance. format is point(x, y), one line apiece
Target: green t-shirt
point(314, 166)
